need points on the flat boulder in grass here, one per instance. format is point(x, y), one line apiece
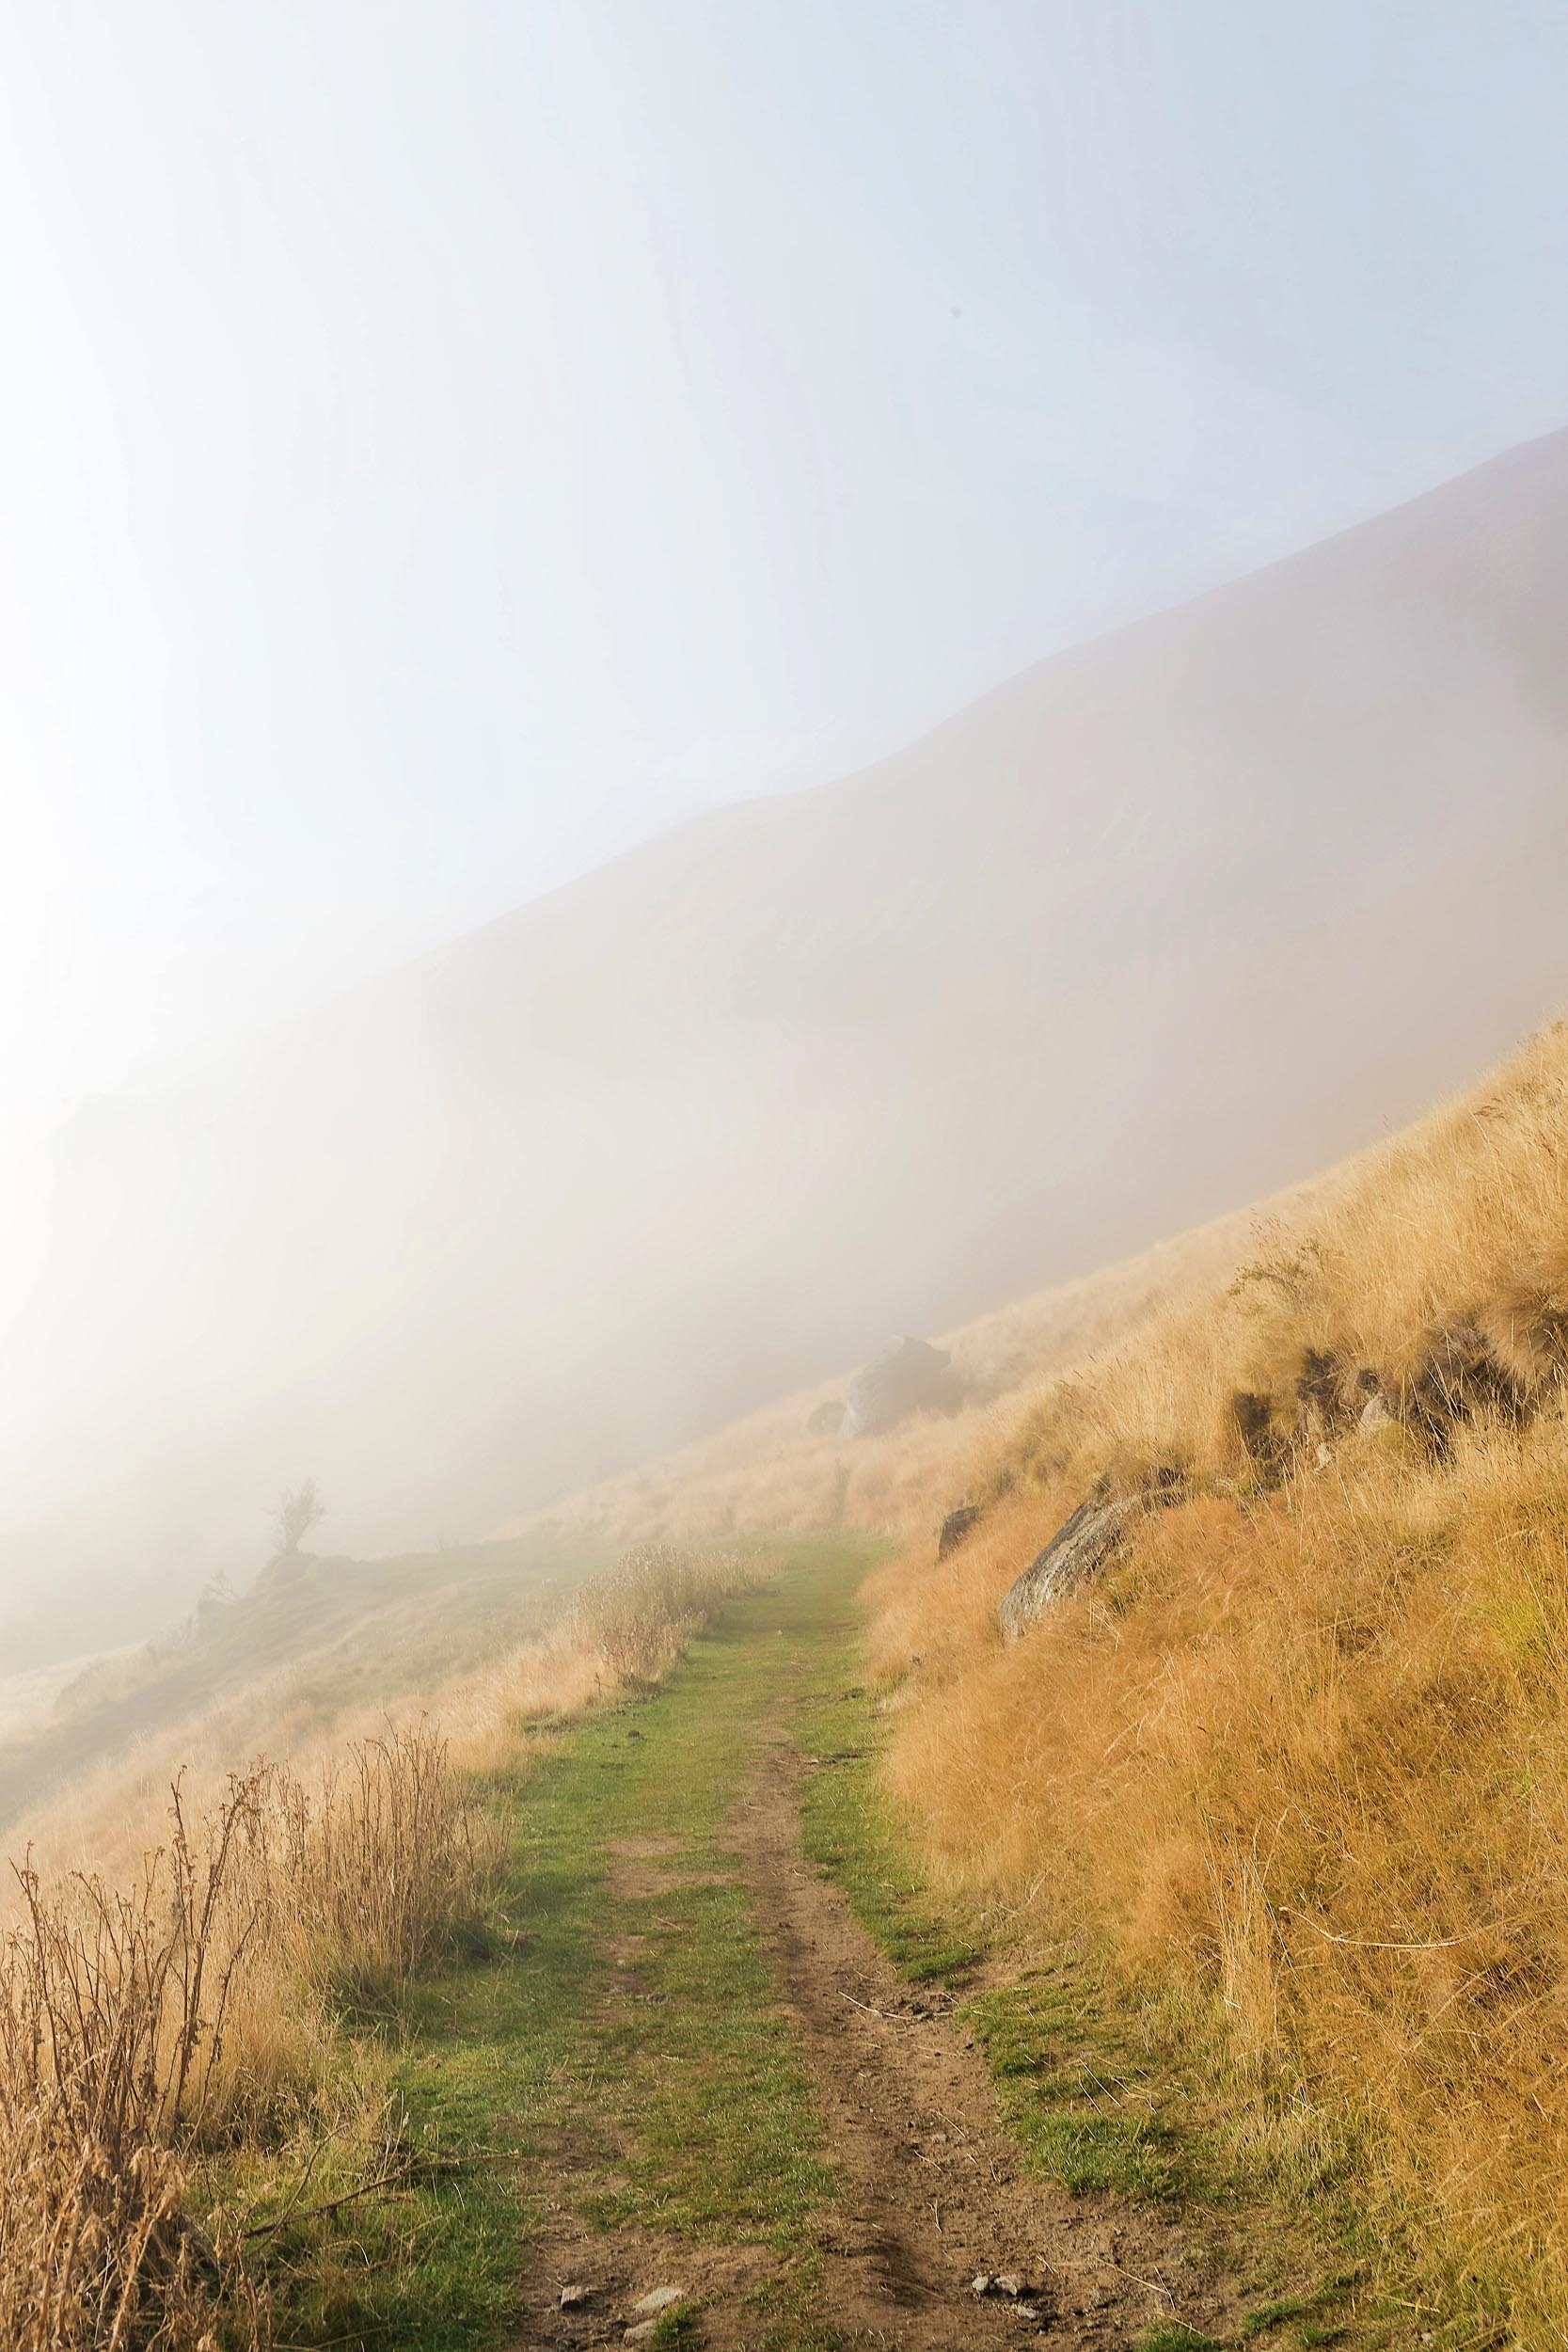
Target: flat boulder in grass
point(825, 1419)
point(1078, 1550)
point(908, 1376)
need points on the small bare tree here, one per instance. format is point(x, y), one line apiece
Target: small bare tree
point(298, 1514)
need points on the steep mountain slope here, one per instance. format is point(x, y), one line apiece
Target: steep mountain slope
point(1154, 928)
point(773, 1474)
point(1289, 1754)
point(291, 1658)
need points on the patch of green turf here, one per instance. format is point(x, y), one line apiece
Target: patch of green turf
point(678, 2331)
point(850, 1830)
point(1090, 2117)
point(627, 2040)
point(1075, 2108)
point(1311, 2313)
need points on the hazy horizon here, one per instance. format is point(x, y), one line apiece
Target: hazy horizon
point(448, 450)
point(428, 482)
point(268, 1027)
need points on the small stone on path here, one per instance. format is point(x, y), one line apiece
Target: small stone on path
point(576, 2294)
point(1008, 2282)
point(658, 2300)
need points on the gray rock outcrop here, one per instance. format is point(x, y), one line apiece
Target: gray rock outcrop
point(1077, 1551)
point(957, 1527)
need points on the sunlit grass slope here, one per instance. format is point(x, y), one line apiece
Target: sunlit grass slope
point(1290, 1776)
point(1301, 1755)
point(1294, 1768)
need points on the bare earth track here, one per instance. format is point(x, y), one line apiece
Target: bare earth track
point(933, 2194)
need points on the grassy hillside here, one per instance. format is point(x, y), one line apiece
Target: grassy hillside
point(1291, 1772)
point(200, 2018)
point(291, 1667)
point(1295, 1762)
point(1154, 927)
point(294, 1661)
point(1238, 1877)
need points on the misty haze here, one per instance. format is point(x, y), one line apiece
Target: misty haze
point(783, 1559)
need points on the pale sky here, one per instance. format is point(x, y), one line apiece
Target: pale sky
point(441, 444)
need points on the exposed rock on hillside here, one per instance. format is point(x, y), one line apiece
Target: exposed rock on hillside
point(1375, 1415)
point(1253, 1417)
point(908, 1376)
point(1458, 1370)
point(1075, 1553)
point(957, 1528)
point(1079, 1550)
point(1458, 1377)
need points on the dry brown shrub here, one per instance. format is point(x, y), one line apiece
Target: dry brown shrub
point(368, 1876)
point(113, 2008)
point(138, 2022)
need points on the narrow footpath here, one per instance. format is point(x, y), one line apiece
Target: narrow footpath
point(724, 2072)
point(760, 2136)
point(933, 2195)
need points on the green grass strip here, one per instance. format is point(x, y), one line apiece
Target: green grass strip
point(624, 2044)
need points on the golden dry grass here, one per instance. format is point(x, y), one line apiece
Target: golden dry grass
point(1297, 1762)
point(1452, 1240)
point(1299, 1758)
point(191, 2000)
point(625, 1628)
point(140, 2021)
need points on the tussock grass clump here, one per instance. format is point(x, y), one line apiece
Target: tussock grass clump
point(1298, 1760)
point(191, 2009)
point(639, 1616)
point(367, 1878)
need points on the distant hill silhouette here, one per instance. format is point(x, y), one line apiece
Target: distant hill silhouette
point(1167, 920)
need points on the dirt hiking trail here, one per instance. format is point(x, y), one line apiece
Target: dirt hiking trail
point(920, 2190)
point(933, 2193)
